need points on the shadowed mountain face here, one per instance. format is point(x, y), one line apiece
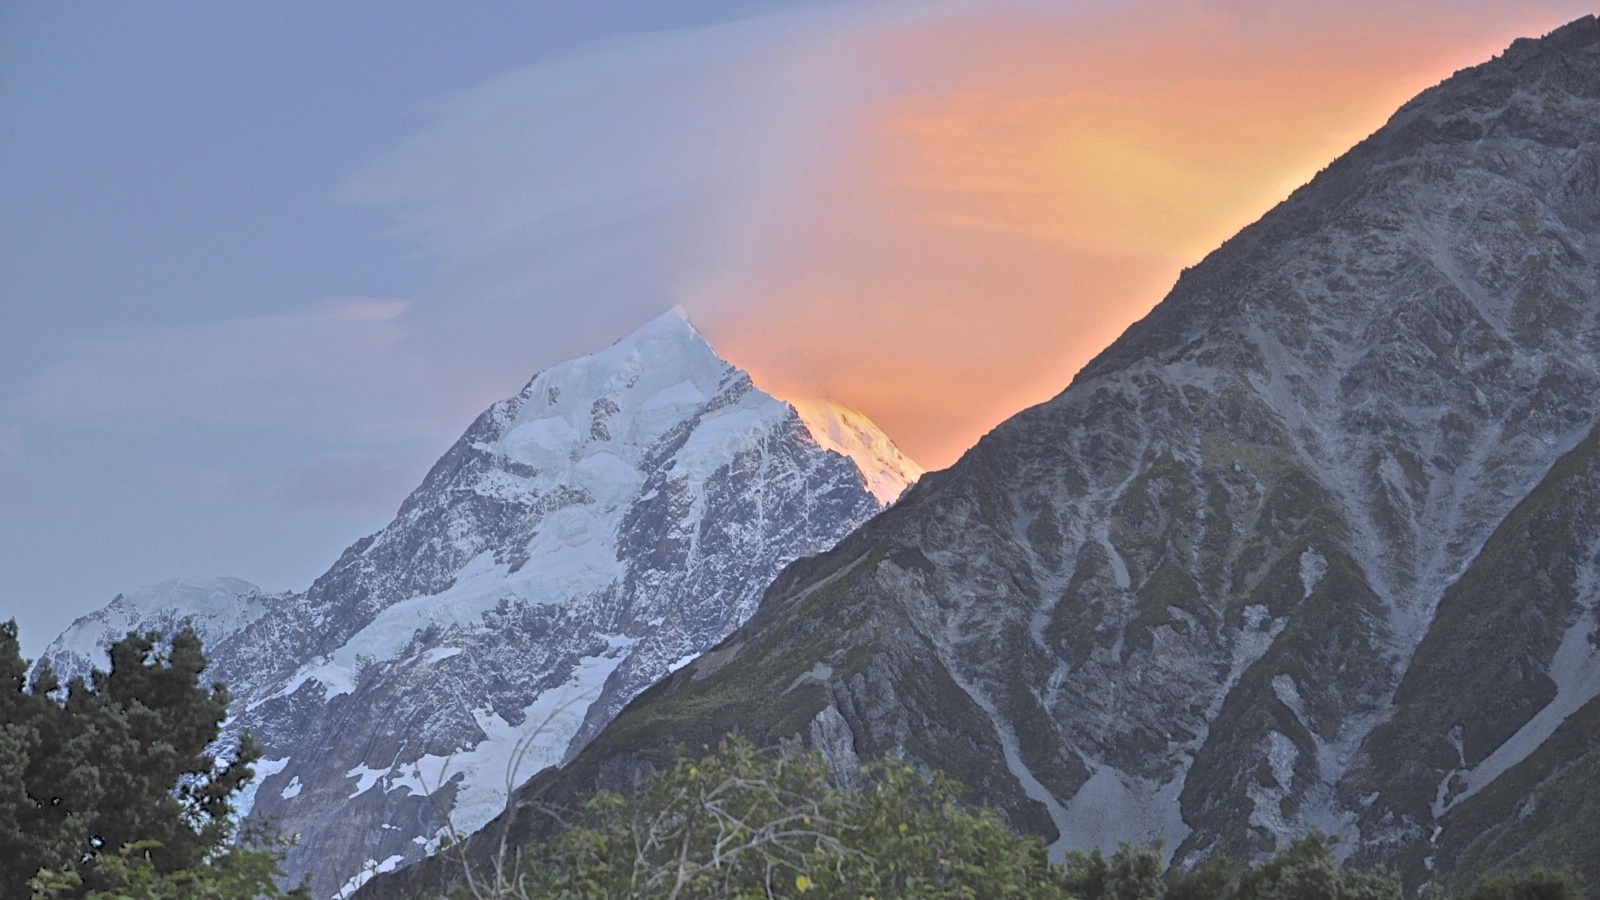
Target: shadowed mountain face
point(582, 539)
point(1312, 545)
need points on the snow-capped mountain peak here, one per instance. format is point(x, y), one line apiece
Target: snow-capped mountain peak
point(616, 517)
point(1313, 545)
point(588, 422)
point(850, 433)
point(215, 608)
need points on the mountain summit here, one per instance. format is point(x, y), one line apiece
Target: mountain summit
point(1316, 544)
point(581, 540)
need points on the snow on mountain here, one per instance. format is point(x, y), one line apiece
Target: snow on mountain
point(215, 608)
point(1313, 545)
point(849, 432)
point(607, 524)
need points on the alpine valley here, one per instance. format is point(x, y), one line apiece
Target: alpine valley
point(1316, 544)
point(582, 540)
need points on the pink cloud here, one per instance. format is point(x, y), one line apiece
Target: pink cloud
point(936, 213)
point(974, 237)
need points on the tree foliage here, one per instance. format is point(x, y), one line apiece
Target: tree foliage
point(231, 873)
point(1535, 884)
point(1305, 870)
point(109, 791)
point(109, 783)
point(1132, 873)
point(742, 823)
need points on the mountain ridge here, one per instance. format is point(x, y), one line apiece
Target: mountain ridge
point(1205, 569)
point(581, 539)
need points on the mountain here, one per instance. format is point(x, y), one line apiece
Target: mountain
point(580, 541)
point(215, 608)
point(1313, 545)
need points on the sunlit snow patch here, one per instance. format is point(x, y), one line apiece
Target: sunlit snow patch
point(887, 471)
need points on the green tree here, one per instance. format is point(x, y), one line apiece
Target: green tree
point(1212, 881)
point(1537, 884)
point(1132, 873)
point(744, 823)
point(115, 779)
point(1306, 870)
point(230, 873)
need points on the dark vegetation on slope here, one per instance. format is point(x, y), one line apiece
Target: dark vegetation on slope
point(738, 822)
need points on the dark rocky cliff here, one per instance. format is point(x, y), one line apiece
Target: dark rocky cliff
point(1308, 547)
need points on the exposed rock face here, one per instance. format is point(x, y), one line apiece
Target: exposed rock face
point(1312, 545)
point(580, 541)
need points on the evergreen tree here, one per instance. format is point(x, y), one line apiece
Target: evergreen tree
point(1132, 873)
point(115, 768)
point(1306, 870)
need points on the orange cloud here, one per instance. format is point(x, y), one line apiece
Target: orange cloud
point(1037, 181)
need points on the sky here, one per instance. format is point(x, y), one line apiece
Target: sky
point(260, 264)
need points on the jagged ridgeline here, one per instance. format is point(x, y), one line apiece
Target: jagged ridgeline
point(1313, 545)
point(583, 538)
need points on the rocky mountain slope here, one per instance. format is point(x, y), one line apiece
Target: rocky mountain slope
point(1313, 545)
point(582, 539)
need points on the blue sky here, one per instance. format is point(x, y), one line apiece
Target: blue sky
point(166, 169)
point(260, 264)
